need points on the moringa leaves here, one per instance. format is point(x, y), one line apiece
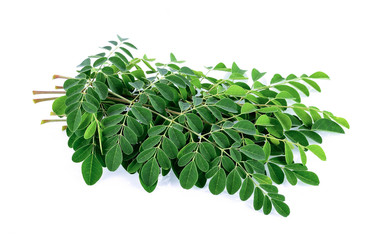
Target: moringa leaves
point(153, 118)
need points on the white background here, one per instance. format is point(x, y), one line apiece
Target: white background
point(42, 194)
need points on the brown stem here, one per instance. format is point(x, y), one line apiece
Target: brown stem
point(48, 92)
point(52, 120)
point(43, 99)
point(59, 76)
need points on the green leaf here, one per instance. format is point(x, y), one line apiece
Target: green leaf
point(201, 163)
point(312, 84)
point(125, 145)
point(290, 90)
point(142, 114)
point(247, 108)
point(163, 159)
point(233, 182)
point(118, 63)
point(245, 127)
point(307, 177)
point(169, 147)
point(195, 122)
point(135, 126)
point(74, 120)
point(207, 150)
point(227, 105)
point(276, 173)
point(267, 205)
point(301, 87)
point(297, 137)
point(206, 114)
point(185, 158)
point(304, 116)
point(263, 120)
point(218, 182)
point(156, 130)
point(92, 170)
point(177, 137)
point(176, 80)
point(116, 109)
point(150, 172)
point(246, 189)
point(285, 121)
point(165, 91)
point(81, 154)
point(112, 120)
point(341, 121)
point(258, 199)
point(90, 130)
point(114, 157)
point(302, 155)
point(99, 61)
point(261, 178)
point(189, 176)
point(101, 89)
point(290, 176)
point(146, 155)
point(236, 91)
point(281, 207)
point(89, 107)
point(318, 151)
point(319, 75)
point(327, 125)
point(256, 75)
point(288, 153)
point(158, 103)
point(253, 151)
point(59, 105)
point(221, 139)
point(187, 71)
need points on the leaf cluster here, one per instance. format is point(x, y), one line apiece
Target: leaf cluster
point(152, 118)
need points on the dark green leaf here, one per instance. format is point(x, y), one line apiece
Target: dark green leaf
point(74, 120)
point(253, 151)
point(201, 163)
point(281, 207)
point(307, 177)
point(327, 125)
point(92, 170)
point(267, 205)
point(163, 159)
point(233, 182)
point(146, 155)
point(188, 176)
point(142, 114)
point(59, 105)
point(158, 103)
point(221, 139)
point(82, 153)
point(165, 91)
point(245, 127)
point(150, 172)
point(118, 63)
point(195, 123)
point(177, 137)
point(246, 189)
point(114, 157)
point(276, 173)
point(227, 105)
point(258, 199)
point(170, 148)
point(218, 182)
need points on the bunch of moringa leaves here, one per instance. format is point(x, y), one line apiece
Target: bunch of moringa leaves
point(153, 118)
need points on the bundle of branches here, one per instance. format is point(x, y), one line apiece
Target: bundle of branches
point(151, 118)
